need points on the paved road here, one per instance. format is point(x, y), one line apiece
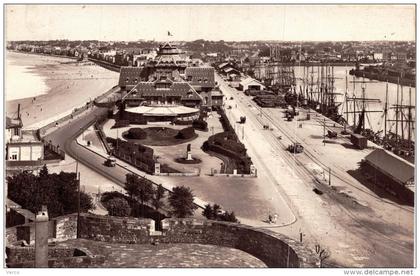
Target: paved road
point(351, 234)
point(65, 136)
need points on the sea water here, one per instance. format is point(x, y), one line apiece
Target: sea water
point(373, 90)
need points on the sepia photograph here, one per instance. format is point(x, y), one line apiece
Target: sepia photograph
point(209, 135)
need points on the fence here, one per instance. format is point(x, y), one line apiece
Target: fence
point(98, 127)
point(133, 161)
point(77, 111)
point(179, 174)
point(55, 149)
point(106, 65)
point(43, 130)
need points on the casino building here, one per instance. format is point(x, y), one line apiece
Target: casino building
point(167, 89)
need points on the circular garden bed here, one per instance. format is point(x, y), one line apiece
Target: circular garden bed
point(160, 136)
point(183, 160)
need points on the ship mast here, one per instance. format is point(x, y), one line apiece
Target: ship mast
point(396, 111)
point(409, 119)
point(386, 112)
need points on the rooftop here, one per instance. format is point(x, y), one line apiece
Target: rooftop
point(392, 165)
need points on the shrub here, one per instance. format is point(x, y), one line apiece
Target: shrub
point(186, 133)
point(215, 213)
point(118, 207)
point(183, 123)
point(136, 133)
point(106, 196)
point(199, 124)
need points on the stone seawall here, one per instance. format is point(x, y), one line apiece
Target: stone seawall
point(274, 249)
point(113, 229)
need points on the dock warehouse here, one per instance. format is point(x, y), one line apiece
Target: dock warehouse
point(391, 172)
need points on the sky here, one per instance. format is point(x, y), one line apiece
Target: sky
point(210, 22)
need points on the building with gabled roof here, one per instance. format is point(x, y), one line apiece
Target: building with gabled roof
point(393, 173)
point(201, 78)
point(165, 82)
point(250, 83)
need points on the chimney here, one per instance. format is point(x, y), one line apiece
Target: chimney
point(41, 238)
point(18, 112)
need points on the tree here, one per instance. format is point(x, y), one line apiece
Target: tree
point(139, 189)
point(208, 212)
point(86, 202)
point(216, 210)
point(131, 184)
point(182, 202)
point(43, 173)
point(58, 191)
point(118, 207)
point(158, 196)
point(145, 192)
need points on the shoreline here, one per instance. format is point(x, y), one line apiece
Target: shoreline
point(70, 85)
point(42, 54)
point(378, 77)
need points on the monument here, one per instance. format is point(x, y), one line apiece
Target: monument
point(189, 156)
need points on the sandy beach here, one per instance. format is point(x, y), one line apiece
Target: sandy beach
point(69, 83)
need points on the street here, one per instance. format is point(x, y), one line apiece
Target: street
point(355, 235)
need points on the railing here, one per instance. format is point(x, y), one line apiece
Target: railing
point(55, 149)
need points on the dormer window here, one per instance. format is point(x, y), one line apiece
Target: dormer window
point(136, 80)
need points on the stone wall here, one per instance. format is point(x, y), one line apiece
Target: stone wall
point(113, 229)
point(66, 257)
point(59, 229)
point(16, 254)
point(275, 250)
point(65, 227)
point(70, 262)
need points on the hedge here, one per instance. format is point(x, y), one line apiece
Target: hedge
point(199, 124)
point(182, 123)
point(186, 133)
point(136, 133)
point(136, 154)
